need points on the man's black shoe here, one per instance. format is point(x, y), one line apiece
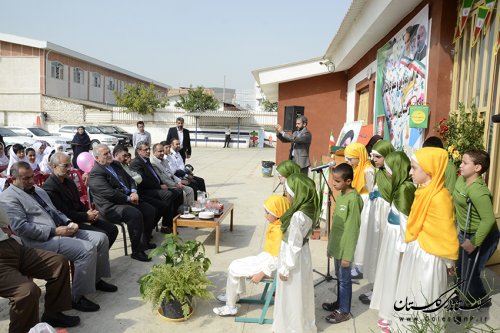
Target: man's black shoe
point(104, 286)
point(59, 319)
point(86, 305)
point(365, 299)
point(151, 246)
point(141, 256)
point(330, 306)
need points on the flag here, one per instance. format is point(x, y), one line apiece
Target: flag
point(481, 16)
point(331, 143)
point(491, 5)
point(464, 13)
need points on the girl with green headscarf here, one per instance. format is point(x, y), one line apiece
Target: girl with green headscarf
point(380, 204)
point(397, 168)
point(284, 170)
point(294, 303)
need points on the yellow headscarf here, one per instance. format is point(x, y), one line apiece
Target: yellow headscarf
point(277, 205)
point(431, 218)
point(358, 150)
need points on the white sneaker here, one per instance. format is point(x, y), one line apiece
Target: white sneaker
point(223, 298)
point(226, 310)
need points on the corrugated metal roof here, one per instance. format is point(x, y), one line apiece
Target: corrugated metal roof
point(221, 114)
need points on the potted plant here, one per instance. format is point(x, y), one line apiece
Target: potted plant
point(171, 286)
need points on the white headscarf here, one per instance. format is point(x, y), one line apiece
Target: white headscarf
point(14, 159)
point(39, 156)
point(4, 160)
point(45, 164)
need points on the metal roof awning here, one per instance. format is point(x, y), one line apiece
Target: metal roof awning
point(220, 114)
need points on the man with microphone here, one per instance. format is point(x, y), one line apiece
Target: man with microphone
point(301, 141)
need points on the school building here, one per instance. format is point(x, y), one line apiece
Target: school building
point(40, 80)
point(388, 55)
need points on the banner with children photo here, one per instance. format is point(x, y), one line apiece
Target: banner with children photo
point(401, 82)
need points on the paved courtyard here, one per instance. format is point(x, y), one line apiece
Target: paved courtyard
point(233, 175)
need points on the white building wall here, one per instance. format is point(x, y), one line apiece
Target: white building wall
point(19, 89)
point(57, 87)
point(109, 96)
point(351, 89)
point(96, 93)
point(78, 90)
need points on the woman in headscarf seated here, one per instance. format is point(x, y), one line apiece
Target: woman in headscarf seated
point(4, 160)
point(39, 148)
point(17, 154)
point(31, 155)
point(259, 266)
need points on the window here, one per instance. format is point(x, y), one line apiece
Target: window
point(77, 75)
point(57, 70)
point(111, 84)
point(96, 80)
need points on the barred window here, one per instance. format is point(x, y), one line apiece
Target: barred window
point(57, 70)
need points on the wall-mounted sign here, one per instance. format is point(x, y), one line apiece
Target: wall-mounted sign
point(419, 116)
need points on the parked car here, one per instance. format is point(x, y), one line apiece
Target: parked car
point(96, 136)
point(40, 134)
point(124, 138)
point(10, 138)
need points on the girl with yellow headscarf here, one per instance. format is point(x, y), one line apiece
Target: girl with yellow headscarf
point(431, 236)
point(364, 181)
point(259, 266)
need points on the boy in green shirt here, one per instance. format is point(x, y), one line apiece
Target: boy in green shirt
point(342, 241)
point(482, 233)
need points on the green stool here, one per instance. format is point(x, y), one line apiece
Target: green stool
point(266, 298)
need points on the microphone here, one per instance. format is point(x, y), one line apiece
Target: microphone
point(495, 118)
point(321, 167)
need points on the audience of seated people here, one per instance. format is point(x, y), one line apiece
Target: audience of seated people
point(160, 164)
point(153, 190)
point(40, 225)
point(64, 194)
point(115, 196)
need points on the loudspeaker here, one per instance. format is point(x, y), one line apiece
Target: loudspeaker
point(291, 113)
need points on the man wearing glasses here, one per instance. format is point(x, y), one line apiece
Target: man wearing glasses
point(65, 196)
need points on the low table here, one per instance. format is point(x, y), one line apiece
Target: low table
point(211, 223)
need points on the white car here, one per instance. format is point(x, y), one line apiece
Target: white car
point(39, 134)
point(96, 136)
point(10, 138)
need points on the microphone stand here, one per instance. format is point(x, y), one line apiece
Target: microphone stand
point(327, 276)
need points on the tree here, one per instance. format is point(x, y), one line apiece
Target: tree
point(269, 106)
point(140, 98)
point(197, 100)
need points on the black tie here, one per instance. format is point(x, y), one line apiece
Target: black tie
point(55, 217)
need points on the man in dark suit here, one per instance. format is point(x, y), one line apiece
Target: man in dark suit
point(181, 134)
point(154, 191)
point(301, 141)
point(115, 196)
point(64, 194)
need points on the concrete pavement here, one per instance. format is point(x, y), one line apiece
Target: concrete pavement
point(233, 175)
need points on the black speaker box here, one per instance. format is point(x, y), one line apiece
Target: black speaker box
point(291, 113)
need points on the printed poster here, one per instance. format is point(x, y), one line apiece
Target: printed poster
point(401, 82)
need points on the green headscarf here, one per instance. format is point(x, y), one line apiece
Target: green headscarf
point(397, 164)
point(305, 199)
point(287, 168)
point(383, 182)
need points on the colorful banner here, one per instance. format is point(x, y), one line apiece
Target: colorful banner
point(464, 13)
point(419, 116)
point(401, 82)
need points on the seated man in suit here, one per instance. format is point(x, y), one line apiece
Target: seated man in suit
point(121, 154)
point(115, 196)
point(178, 167)
point(154, 191)
point(40, 225)
point(160, 164)
point(65, 196)
point(17, 264)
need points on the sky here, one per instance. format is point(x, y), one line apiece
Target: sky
point(185, 42)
